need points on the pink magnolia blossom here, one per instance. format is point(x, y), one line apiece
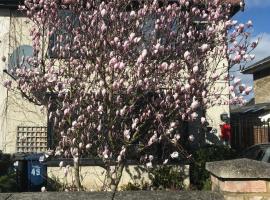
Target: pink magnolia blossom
point(103, 12)
point(194, 116)
point(203, 120)
point(175, 154)
point(123, 82)
point(127, 134)
point(204, 47)
point(131, 36)
point(195, 69)
point(43, 189)
point(149, 165)
point(231, 88)
point(7, 84)
point(187, 55)
point(88, 146)
point(255, 44)
point(191, 138)
point(248, 90)
point(237, 81)
point(68, 1)
point(105, 153)
point(61, 164)
point(153, 139)
point(249, 23)
point(194, 105)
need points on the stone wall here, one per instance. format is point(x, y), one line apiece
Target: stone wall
point(94, 177)
point(132, 195)
point(241, 179)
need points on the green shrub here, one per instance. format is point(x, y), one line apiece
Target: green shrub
point(162, 177)
point(8, 183)
point(199, 177)
point(167, 177)
point(5, 163)
point(131, 187)
point(54, 184)
point(207, 184)
point(7, 178)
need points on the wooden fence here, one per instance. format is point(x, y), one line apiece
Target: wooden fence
point(248, 131)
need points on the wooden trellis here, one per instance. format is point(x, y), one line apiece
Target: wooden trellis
point(31, 139)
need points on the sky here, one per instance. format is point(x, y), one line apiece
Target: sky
point(258, 11)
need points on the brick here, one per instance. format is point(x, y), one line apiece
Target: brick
point(234, 197)
point(214, 180)
point(268, 186)
point(256, 198)
point(215, 183)
point(243, 186)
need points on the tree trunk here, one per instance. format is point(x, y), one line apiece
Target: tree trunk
point(116, 181)
point(77, 175)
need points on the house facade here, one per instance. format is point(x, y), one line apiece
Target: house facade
point(250, 123)
point(261, 76)
point(24, 125)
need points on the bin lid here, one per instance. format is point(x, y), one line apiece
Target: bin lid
point(19, 156)
point(35, 156)
point(27, 156)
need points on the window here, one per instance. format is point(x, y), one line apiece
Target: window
point(31, 139)
point(266, 155)
point(67, 36)
point(253, 153)
point(17, 57)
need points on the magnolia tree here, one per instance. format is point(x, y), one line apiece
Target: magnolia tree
point(127, 75)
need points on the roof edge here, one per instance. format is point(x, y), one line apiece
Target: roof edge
point(258, 66)
point(11, 4)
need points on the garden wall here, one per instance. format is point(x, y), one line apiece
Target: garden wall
point(94, 177)
point(140, 195)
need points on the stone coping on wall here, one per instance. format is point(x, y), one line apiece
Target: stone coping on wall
point(129, 195)
point(54, 161)
point(239, 169)
point(241, 179)
point(98, 162)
